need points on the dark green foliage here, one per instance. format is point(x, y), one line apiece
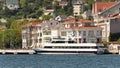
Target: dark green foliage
point(33, 8)
point(1, 39)
point(46, 3)
point(29, 8)
point(90, 2)
point(66, 10)
point(114, 36)
point(12, 38)
point(46, 17)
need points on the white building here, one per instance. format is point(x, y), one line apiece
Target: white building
point(106, 14)
point(48, 12)
point(78, 7)
point(81, 31)
point(110, 25)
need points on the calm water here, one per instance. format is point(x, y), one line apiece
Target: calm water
point(59, 61)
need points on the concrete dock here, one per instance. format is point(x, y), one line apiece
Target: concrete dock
point(16, 51)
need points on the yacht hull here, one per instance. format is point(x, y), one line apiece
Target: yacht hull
point(85, 48)
point(66, 51)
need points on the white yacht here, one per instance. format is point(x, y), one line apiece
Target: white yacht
point(63, 46)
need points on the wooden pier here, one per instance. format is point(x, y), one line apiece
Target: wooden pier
point(16, 51)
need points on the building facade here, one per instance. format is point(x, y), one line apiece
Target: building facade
point(110, 25)
point(78, 7)
point(106, 15)
point(81, 31)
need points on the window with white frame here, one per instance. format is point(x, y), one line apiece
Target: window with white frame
point(24, 36)
point(99, 33)
point(63, 33)
point(79, 33)
point(91, 33)
point(84, 33)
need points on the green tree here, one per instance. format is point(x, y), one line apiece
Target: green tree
point(55, 4)
point(46, 17)
point(15, 38)
point(39, 12)
point(118, 40)
point(23, 3)
point(1, 39)
point(105, 0)
point(90, 2)
point(47, 3)
point(7, 38)
point(10, 20)
point(114, 36)
point(38, 3)
point(68, 10)
point(59, 11)
point(12, 38)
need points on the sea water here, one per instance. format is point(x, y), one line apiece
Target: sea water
point(59, 61)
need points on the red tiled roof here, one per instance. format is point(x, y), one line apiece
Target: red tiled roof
point(32, 24)
point(78, 21)
point(36, 23)
point(101, 6)
point(46, 21)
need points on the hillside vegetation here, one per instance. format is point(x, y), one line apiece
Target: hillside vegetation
point(11, 36)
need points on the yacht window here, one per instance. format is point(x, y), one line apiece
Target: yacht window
point(48, 47)
point(71, 42)
point(58, 41)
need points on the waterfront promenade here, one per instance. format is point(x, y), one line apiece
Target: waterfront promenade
point(16, 51)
